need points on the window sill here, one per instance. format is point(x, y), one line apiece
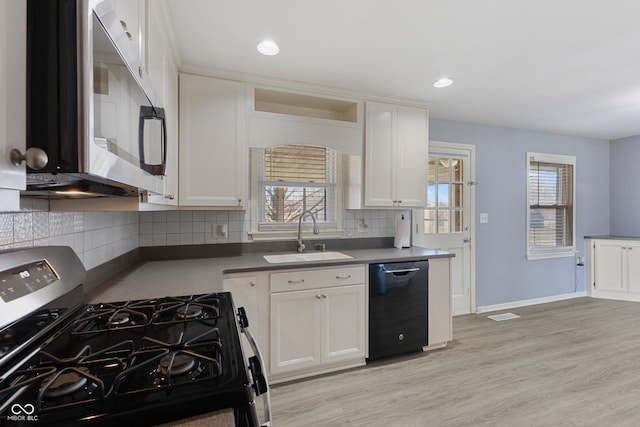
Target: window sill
point(291, 235)
point(549, 255)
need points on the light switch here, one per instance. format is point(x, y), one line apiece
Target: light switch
point(484, 218)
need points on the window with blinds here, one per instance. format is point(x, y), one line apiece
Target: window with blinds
point(293, 179)
point(550, 212)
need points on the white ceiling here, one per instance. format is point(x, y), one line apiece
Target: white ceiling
point(563, 66)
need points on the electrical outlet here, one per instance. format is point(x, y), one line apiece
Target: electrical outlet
point(221, 230)
point(484, 218)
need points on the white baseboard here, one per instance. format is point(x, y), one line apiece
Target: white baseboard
point(526, 302)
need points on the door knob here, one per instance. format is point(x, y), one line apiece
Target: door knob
point(35, 158)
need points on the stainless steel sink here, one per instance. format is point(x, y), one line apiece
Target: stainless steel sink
point(304, 256)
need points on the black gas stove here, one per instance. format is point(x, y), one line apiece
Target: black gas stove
point(63, 362)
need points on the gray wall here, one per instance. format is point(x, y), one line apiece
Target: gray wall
point(624, 190)
point(503, 273)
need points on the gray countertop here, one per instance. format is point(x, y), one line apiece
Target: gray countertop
point(152, 279)
point(612, 237)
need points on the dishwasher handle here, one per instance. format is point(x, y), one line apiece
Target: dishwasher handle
point(406, 270)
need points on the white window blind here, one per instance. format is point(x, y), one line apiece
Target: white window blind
point(550, 213)
point(293, 179)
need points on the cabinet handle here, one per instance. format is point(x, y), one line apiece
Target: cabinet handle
point(317, 296)
point(169, 196)
point(296, 281)
point(35, 158)
point(253, 284)
point(324, 296)
point(399, 201)
point(129, 36)
point(348, 276)
point(124, 25)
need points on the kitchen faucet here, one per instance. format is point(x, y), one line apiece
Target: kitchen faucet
point(316, 230)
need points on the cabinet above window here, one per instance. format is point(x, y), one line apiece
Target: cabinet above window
point(279, 117)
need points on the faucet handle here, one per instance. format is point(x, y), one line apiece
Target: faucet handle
point(320, 247)
point(301, 247)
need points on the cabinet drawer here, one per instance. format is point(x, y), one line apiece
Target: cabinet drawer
point(296, 280)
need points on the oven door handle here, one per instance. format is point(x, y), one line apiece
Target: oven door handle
point(256, 363)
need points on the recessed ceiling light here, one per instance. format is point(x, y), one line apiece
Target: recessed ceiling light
point(443, 82)
point(268, 47)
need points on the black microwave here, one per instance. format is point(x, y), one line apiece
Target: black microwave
point(90, 103)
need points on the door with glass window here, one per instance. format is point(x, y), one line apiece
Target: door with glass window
point(446, 223)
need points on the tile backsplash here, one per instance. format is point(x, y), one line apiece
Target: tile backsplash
point(98, 237)
point(167, 228)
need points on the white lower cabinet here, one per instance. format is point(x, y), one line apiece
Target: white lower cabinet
point(614, 269)
point(316, 327)
point(319, 322)
point(440, 319)
point(251, 292)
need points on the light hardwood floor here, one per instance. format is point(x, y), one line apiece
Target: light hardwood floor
point(569, 363)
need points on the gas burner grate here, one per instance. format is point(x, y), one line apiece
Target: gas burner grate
point(106, 318)
point(174, 310)
point(159, 365)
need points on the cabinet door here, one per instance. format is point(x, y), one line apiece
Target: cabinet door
point(632, 271)
point(213, 154)
point(380, 154)
point(608, 266)
point(244, 293)
point(411, 177)
point(13, 24)
point(440, 321)
point(295, 330)
point(343, 323)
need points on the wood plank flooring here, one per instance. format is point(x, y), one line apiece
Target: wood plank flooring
point(569, 363)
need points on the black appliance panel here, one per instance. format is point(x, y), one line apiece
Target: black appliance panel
point(398, 308)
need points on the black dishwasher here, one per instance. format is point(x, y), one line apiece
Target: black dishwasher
point(398, 295)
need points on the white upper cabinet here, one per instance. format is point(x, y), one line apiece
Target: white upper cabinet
point(213, 152)
point(13, 47)
point(395, 158)
point(279, 117)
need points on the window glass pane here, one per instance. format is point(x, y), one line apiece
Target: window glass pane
point(431, 169)
point(550, 205)
point(443, 221)
point(443, 169)
point(456, 195)
point(457, 224)
point(443, 195)
point(430, 221)
point(293, 179)
point(295, 163)
point(431, 196)
point(457, 170)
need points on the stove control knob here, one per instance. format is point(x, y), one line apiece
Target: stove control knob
point(401, 337)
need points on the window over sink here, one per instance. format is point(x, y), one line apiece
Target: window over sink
point(288, 180)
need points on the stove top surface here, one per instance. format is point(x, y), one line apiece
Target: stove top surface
point(143, 361)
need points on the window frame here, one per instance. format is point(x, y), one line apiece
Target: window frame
point(541, 252)
point(290, 230)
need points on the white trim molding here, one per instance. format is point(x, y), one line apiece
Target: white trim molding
point(527, 302)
